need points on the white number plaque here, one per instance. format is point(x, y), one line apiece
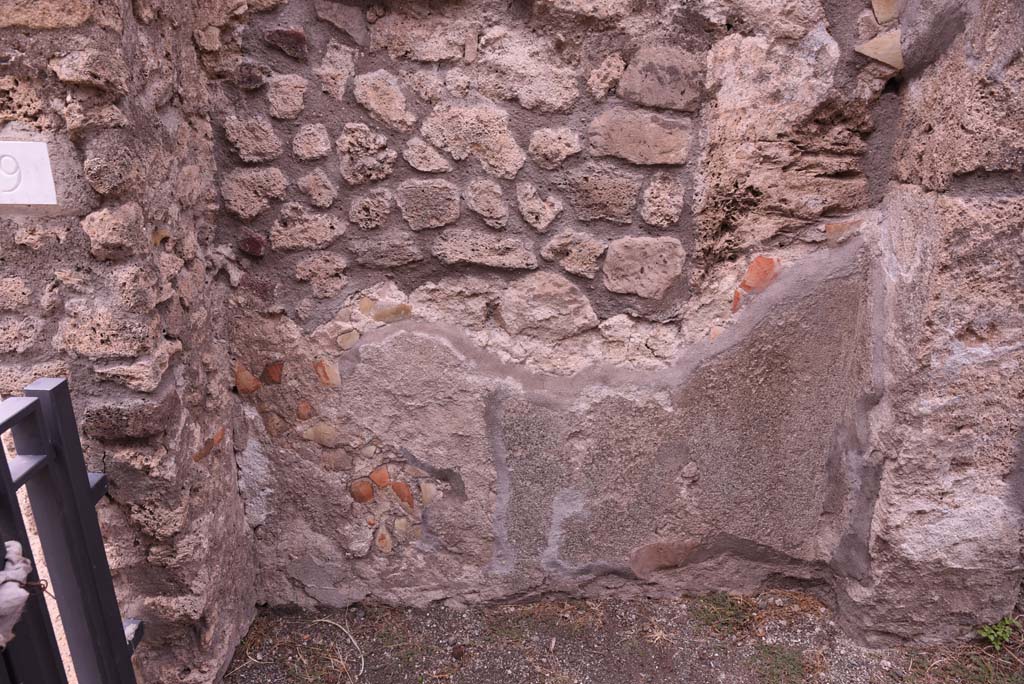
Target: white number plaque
point(25, 173)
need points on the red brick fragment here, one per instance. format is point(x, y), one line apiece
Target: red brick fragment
point(403, 492)
point(209, 445)
point(272, 373)
point(380, 476)
point(246, 382)
point(327, 373)
point(760, 274)
point(361, 490)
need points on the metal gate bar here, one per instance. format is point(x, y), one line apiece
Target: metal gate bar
point(33, 656)
point(63, 495)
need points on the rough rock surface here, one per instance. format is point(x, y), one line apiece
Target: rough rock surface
point(545, 305)
point(518, 65)
point(379, 91)
point(589, 9)
point(433, 38)
point(317, 186)
point(386, 250)
point(428, 203)
point(297, 228)
point(791, 166)
point(537, 211)
point(465, 246)
point(286, 95)
point(247, 192)
point(253, 138)
point(422, 156)
point(643, 266)
point(484, 198)
point(481, 131)
point(602, 191)
point(47, 14)
point(311, 142)
point(820, 392)
point(115, 233)
point(662, 201)
point(365, 155)
point(371, 211)
point(665, 77)
point(336, 68)
point(606, 75)
point(549, 147)
point(639, 137)
point(99, 69)
point(577, 253)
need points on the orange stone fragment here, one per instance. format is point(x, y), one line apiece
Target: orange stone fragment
point(209, 445)
point(736, 297)
point(304, 410)
point(380, 476)
point(390, 314)
point(272, 373)
point(837, 233)
point(366, 304)
point(361, 490)
point(760, 274)
point(327, 373)
point(403, 492)
point(246, 382)
point(384, 541)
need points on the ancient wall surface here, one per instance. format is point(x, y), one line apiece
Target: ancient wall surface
point(117, 288)
point(483, 300)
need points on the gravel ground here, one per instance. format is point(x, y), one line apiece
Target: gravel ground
point(776, 638)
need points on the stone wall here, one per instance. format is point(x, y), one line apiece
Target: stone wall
point(117, 288)
point(486, 301)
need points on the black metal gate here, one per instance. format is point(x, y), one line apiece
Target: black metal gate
point(63, 496)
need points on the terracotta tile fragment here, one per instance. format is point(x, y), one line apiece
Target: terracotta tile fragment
point(272, 373)
point(209, 445)
point(403, 492)
point(246, 382)
point(327, 372)
point(736, 296)
point(380, 476)
point(760, 274)
point(361, 490)
point(304, 410)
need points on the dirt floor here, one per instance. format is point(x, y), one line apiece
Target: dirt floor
point(776, 638)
